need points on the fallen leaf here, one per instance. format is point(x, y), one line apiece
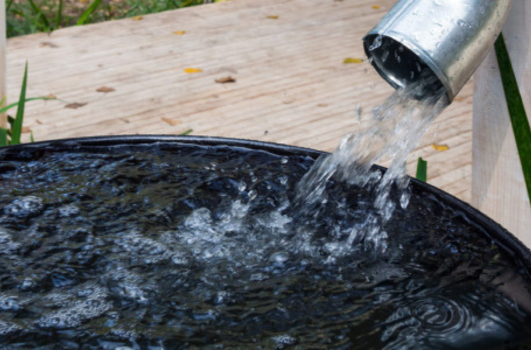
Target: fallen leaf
point(51, 96)
point(39, 122)
point(48, 44)
point(137, 18)
point(75, 105)
point(26, 130)
point(172, 122)
point(376, 7)
point(180, 32)
point(105, 89)
point(273, 17)
point(352, 60)
point(225, 80)
point(192, 70)
point(439, 147)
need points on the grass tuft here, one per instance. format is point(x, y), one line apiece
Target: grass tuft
point(422, 170)
point(519, 121)
point(33, 16)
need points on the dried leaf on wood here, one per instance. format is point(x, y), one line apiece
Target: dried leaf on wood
point(172, 122)
point(273, 17)
point(192, 70)
point(225, 80)
point(51, 96)
point(180, 32)
point(105, 89)
point(352, 60)
point(26, 130)
point(75, 105)
point(376, 7)
point(49, 44)
point(137, 18)
point(439, 147)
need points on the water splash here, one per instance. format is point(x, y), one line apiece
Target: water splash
point(397, 126)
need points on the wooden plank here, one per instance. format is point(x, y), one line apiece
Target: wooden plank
point(498, 187)
point(291, 84)
point(3, 43)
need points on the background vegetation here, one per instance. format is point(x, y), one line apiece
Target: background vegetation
point(33, 16)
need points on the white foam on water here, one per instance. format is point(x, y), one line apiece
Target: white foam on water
point(27, 206)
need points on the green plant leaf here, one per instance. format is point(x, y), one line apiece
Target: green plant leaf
point(16, 129)
point(42, 18)
point(186, 132)
point(3, 137)
point(8, 107)
point(9, 5)
point(85, 15)
point(31, 137)
point(422, 170)
point(59, 16)
point(519, 121)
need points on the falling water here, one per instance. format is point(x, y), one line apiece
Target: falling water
point(398, 123)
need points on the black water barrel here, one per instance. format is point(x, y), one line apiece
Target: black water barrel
point(94, 255)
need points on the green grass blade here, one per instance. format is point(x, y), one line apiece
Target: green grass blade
point(59, 16)
point(8, 107)
point(186, 132)
point(31, 137)
point(9, 5)
point(422, 170)
point(85, 15)
point(3, 137)
point(16, 129)
point(40, 16)
point(519, 121)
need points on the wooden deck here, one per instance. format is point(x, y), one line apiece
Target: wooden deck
point(291, 84)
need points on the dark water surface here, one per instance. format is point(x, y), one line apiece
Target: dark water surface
point(200, 247)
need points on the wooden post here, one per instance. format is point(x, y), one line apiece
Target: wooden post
point(498, 186)
point(3, 117)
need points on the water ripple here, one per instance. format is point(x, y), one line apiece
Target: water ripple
point(433, 319)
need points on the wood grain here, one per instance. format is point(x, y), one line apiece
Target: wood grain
point(498, 186)
point(291, 84)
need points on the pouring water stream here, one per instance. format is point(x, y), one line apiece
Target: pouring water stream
point(398, 124)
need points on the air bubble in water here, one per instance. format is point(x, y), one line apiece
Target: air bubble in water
point(279, 258)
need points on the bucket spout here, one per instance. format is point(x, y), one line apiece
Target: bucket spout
point(447, 40)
